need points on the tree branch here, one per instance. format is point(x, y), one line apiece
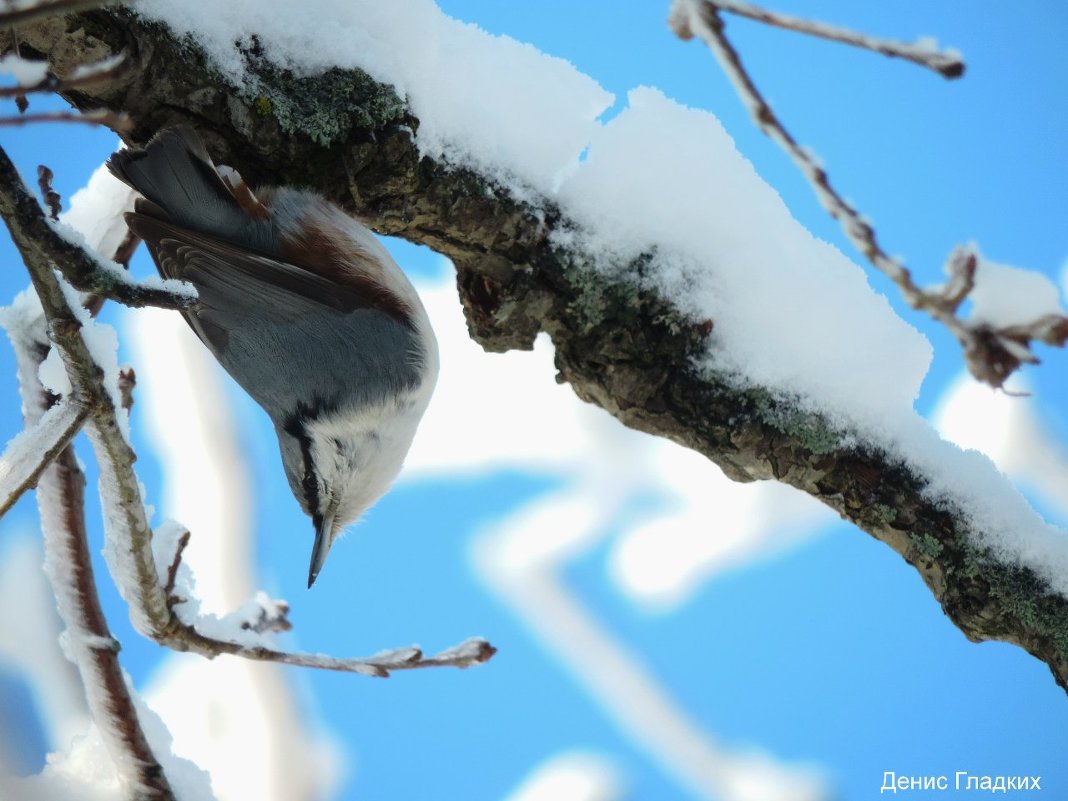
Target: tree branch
point(625, 348)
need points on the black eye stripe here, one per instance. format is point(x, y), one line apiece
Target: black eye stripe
point(309, 483)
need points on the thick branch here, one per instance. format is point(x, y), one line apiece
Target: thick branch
point(625, 349)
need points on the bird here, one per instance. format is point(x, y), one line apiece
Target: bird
point(303, 306)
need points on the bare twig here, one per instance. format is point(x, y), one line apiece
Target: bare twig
point(116, 121)
point(61, 502)
point(172, 569)
point(27, 456)
point(33, 234)
point(947, 63)
point(49, 195)
point(991, 354)
point(127, 382)
point(29, 13)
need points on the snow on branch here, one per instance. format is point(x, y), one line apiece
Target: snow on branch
point(991, 353)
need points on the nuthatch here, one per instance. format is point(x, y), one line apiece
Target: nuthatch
point(303, 306)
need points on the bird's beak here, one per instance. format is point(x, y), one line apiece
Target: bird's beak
point(324, 538)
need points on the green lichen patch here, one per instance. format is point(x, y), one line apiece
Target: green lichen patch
point(325, 107)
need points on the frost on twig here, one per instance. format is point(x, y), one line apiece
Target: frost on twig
point(992, 353)
point(28, 454)
point(246, 632)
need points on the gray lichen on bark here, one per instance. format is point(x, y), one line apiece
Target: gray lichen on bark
point(618, 343)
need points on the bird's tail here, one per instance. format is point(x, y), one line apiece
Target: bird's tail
point(177, 176)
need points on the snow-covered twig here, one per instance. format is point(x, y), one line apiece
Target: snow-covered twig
point(947, 63)
point(33, 234)
point(991, 353)
point(34, 449)
point(88, 641)
point(469, 653)
point(189, 632)
point(31, 11)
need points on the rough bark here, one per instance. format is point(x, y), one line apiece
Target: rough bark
point(622, 348)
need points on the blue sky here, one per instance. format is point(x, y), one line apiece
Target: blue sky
point(829, 652)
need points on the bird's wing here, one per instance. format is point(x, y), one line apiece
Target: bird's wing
point(253, 308)
point(235, 284)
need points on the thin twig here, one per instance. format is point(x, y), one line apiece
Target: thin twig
point(172, 569)
point(116, 121)
point(49, 195)
point(127, 382)
point(33, 234)
point(104, 70)
point(991, 355)
point(467, 654)
point(947, 63)
point(29, 13)
point(184, 635)
point(27, 456)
